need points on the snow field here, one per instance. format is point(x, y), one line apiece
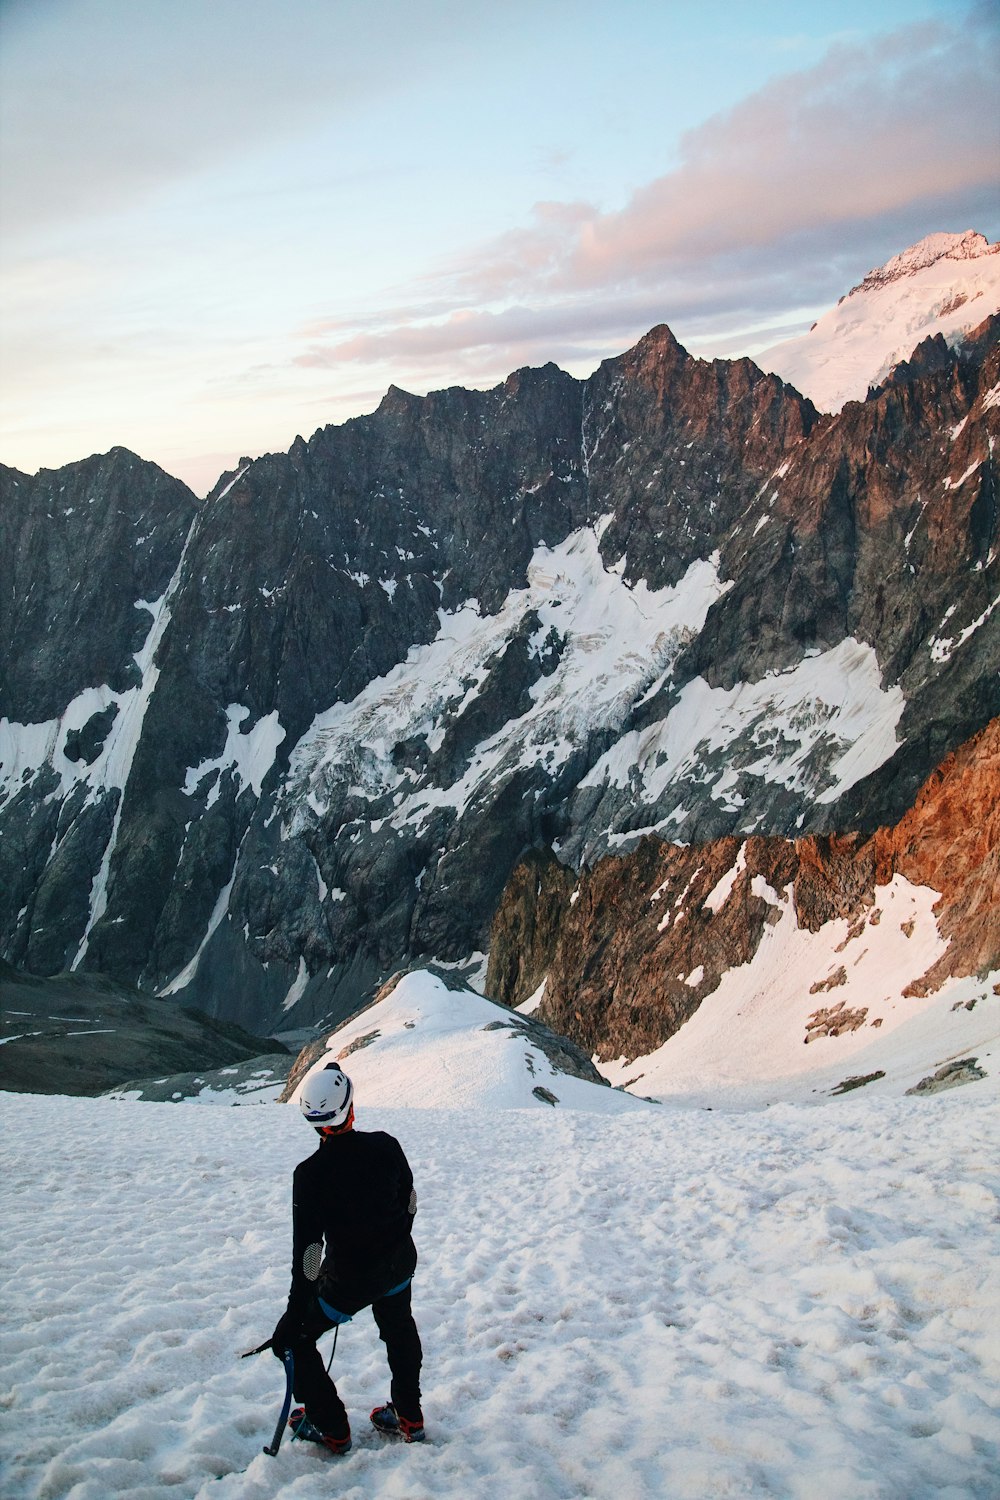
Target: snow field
point(792, 1303)
point(763, 1008)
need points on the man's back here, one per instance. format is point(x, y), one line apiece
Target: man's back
point(355, 1190)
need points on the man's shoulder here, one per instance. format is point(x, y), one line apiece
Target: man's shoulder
point(377, 1140)
point(354, 1146)
point(307, 1165)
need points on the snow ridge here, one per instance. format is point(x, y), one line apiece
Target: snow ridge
point(927, 252)
point(946, 284)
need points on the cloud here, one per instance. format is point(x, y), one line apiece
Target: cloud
point(872, 130)
point(780, 202)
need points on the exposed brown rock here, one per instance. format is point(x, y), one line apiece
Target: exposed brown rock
point(962, 1070)
point(633, 948)
point(527, 925)
point(834, 1020)
point(950, 841)
point(831, 982)
point(857, 1081)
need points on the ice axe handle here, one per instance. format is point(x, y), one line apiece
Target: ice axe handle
point(288, 1360)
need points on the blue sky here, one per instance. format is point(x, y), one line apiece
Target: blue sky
point(227, 223)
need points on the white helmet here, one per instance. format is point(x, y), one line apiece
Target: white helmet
point(326, 1096)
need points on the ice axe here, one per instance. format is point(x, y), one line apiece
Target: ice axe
point(288, 1360)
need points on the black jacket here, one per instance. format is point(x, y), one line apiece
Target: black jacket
point(352, 1210)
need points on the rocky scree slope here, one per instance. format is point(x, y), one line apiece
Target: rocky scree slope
point(260, 750)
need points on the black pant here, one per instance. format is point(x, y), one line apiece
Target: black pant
point(398, 1332)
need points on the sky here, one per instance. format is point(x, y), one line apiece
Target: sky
point(226, 224)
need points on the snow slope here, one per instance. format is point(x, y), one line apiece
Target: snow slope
point(947, 284)
point(430, 1047)
point(796, 1303)
point(746, 1046)
point(618, 641)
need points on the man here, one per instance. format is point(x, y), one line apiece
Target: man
point(352, 1211)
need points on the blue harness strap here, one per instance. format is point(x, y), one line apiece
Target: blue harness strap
point(333, 1313)
point(336, 1316)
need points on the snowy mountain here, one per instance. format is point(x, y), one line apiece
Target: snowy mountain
point(262, 751)
point(666, 711)
point(428, 1042)
point(946, 284)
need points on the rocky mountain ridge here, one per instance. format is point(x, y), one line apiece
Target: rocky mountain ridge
point(261, 750)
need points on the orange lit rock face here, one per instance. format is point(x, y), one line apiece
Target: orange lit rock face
point(634, 948)
point(950, 841)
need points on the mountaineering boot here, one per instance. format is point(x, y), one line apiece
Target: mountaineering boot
point(303, 1428)
point(386, 1419)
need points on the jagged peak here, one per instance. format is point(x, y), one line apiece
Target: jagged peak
point(969, 245)
point(661, 336)
point(397, 400)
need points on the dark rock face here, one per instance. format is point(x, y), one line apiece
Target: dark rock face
point(676, 449)
point(81, 548)
point(527, 925)
point(260, 750)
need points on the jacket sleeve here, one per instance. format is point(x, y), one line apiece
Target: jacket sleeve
point(307, 1244)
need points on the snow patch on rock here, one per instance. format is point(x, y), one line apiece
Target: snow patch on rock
point(616, 641)
point(745, 1045)
point(816, 729)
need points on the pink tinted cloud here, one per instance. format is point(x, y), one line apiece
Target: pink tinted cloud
point(867, 132)
point(877, 145)
point(906, 119)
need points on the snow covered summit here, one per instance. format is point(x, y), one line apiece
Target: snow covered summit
point(927, 252)
point(946, 283)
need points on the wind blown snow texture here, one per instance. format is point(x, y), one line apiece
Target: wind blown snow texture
point(801, 1302)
